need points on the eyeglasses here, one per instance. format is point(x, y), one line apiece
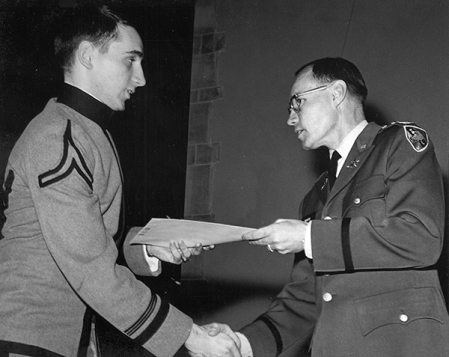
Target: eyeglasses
point(296, 102)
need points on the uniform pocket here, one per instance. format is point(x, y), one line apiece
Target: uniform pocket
point(371, 188)
point(399, 307)
point(366, 199)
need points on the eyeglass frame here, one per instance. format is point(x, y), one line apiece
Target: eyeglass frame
point(297, 95)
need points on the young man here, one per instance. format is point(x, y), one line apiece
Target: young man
point(364, 281)
point(64, 190)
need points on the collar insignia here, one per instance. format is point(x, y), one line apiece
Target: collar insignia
point(353, 164)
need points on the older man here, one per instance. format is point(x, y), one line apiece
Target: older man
point(371, 230)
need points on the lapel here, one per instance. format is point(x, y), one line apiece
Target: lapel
point(322, 187)
point(356, 158)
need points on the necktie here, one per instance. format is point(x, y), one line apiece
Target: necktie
point(332, 171)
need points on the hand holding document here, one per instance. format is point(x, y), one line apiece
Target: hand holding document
point(161, 231)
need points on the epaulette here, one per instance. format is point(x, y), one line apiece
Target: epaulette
point(415, 135)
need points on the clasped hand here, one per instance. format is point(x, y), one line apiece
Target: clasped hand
point(284, 236)
point(214, 340)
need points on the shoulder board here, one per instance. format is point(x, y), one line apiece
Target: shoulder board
point(415, 135)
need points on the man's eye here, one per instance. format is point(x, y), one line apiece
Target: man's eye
point(298, 102)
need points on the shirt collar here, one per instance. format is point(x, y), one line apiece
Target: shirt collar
point(347, 144)
point(349, 140)
point(86, 105)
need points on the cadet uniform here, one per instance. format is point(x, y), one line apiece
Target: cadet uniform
point(58, 255)
point(371, 288)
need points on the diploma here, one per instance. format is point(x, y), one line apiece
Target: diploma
point(162, 231)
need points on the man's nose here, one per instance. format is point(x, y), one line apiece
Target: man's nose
point(139, 77)
point(292, 118)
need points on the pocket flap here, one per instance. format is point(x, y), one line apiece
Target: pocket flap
point(398, 307)
point(373, 187)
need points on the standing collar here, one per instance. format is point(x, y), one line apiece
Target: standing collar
point(86, 105)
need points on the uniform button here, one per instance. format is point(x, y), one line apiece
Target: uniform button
point(327, 218)
point(403, 317)
point(357, 201)
point(327, 297)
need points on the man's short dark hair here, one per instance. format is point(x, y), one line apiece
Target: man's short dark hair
point(96, 24)
point(333, 68)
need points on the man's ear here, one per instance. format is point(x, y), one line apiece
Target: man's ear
point(339, 91)
point(85, 54)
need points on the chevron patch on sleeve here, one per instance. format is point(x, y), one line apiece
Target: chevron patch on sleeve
point(72, 161)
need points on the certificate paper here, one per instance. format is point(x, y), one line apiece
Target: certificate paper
point(161, 231)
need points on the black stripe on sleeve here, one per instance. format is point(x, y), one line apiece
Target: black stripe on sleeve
point(155, 324)
point(149, 310)
point(346, 244)
point(275, 332)
point(7, 347)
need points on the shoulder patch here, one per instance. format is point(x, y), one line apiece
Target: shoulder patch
point(72, 160)
point(417, 137)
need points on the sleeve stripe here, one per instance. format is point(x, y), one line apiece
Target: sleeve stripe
point(62, 171)
point(149, 310)
point(346, 245)
point(155, 324)
point(275, 332)
point(8, 347)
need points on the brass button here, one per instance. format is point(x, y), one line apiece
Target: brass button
point(357, 201)
point(327, 297)
point(403, 317)
point(328, 218)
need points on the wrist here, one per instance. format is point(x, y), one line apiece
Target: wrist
point(194, 332)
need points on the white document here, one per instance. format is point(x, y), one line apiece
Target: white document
point(161, 231)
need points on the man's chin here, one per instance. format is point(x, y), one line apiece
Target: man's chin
point(305, 146)
point(119, 108)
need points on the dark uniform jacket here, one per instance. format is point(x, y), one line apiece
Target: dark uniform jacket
point(371, 288)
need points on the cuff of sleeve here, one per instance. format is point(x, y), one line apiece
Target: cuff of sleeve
point(153, 262)
point(261, 339)
point(245, 349)
point(171, 335)
point(135, 260)
point(308, 241)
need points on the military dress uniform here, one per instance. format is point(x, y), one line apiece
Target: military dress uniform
point(57, 255)
point(372, 288)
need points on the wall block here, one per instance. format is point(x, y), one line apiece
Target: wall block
point(202, 154)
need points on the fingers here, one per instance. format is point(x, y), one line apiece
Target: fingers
point(183, 251)
point(177, 257)
point(257, 234)
point(196, 250)
point(200, 342)
point(209, 247)
point(213, 329)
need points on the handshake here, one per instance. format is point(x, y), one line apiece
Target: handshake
point(215, 340)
